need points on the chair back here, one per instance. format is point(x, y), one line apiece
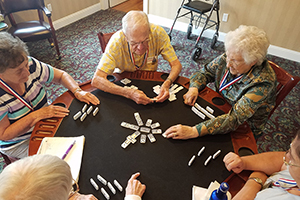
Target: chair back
point(103, 39)
point(286, 82)
point(11, 6)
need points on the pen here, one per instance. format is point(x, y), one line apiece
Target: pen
point(68, 150)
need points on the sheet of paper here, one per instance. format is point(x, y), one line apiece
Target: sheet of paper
point(200, 193)
point(59, 145)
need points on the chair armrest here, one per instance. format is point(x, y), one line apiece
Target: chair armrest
point(46, 11)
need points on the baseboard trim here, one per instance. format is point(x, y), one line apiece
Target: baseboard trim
point(181, 26)
point(76, 16)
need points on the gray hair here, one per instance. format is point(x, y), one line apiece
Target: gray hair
point(134, 20)
point(12, 51)
point(44, 177)
point(250, 41)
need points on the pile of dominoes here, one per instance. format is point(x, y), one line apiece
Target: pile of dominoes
point(145, 131)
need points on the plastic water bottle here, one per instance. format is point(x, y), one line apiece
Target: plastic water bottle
point(220, 193)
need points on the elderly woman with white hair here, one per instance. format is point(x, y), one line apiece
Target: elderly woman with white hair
point(48, 177)
point(243, 76)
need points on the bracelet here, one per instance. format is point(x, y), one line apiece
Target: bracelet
point(170, 80)
point(257, 180)
point(77, 90)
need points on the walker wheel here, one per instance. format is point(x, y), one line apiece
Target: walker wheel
point(196, 54)
point(214, 40)
point(189, 31)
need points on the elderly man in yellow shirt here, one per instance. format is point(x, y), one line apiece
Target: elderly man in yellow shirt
point(136, 47)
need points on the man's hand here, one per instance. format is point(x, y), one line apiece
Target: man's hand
point(181, 132)
point(139, 97)
point(191, 96)
point(163, 95)
point(134, 186)
point(234, 162)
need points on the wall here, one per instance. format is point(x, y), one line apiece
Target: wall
point(65, 12)
point(280, 19)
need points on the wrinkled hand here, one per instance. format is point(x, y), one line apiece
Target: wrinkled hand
point(79, 196)
point(87, 97)
point(163, 95)
point(181, 132)
point(52, 111)
point(191, 96)
point(234, 162)
point(134, 186)
point(140, 97)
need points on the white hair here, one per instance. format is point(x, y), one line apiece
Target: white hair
point(251, 42)
point(38, 177)
point(134, 20)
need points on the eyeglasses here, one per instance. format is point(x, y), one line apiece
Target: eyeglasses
point(75, 189)
point(136, 44)
point(287, 160)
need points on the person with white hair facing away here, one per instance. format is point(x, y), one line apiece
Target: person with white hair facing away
point(243, 76)
point(47, 177)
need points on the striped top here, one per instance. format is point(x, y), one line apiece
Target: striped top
point(35, 94)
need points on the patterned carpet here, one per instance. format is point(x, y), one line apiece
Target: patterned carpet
point(81, 53)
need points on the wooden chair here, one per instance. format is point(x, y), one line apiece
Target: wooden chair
point(286, 82)
point(103, 39)
point(29, 31)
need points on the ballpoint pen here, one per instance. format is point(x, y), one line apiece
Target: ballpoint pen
point(68, 150)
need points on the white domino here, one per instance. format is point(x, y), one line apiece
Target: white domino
point(95, 111)
point(201, 151)
point(83, 116)
point(149, 122)
point(197, 112)
point(105, 194)
point(155, 125)
point(209, 109)
point(207, 160)
point(204, 111)
point(177, 89)
point(151, 137)
point(89, 110)
point(145, 129)
point(77, 115)
point(191, 160)
point(101, 179)
point(112, 189)
point(143, 138)
point(216, 154)
point(94, 184)
point(125, 144)
point(156, 131)
point(84, 108)
point(135, 134)
point(118, 185)
point(138, 119)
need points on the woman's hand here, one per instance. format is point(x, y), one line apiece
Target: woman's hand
point(86, 97)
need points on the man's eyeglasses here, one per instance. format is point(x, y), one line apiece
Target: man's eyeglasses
point(287, 160)
point(136, 44)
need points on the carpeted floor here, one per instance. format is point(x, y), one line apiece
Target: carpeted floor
point(81, 53)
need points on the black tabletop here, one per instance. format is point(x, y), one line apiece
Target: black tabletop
point(163, 164)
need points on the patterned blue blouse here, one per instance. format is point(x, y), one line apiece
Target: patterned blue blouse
point(252, 97)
